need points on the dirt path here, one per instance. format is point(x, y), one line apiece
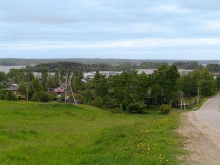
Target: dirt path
point(203, 150)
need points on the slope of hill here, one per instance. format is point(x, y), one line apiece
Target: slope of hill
point(37, 133)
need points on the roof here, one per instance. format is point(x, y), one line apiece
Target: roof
point(12, 88)
point(59, 90)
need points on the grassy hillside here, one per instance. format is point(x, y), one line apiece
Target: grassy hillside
point(37, 133)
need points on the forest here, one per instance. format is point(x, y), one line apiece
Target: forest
point(125, 66)
point(130, 91)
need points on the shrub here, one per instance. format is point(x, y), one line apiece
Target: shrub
point(11, 96)
point(124, 105)
point(117, 111)
point(165, 109)
point(43, 96)
point(97, 102)
point(53, 96)
point(135, 108)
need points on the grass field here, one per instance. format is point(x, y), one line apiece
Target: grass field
point(64, 134)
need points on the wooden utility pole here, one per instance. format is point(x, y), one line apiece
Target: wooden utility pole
point(27, 88)
point(68, 83)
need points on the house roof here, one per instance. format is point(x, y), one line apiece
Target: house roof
point(12, 88)
point(59, 90)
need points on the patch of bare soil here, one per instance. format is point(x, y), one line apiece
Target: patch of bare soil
point(202, 150)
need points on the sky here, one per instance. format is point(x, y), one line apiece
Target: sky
point(124, 29)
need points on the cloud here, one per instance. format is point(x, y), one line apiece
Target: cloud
point(210, 5)
point(173, 8)
point(114, 44)
point(212, 24)
point(43, 19)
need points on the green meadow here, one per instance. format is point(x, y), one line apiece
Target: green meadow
point(64, 134)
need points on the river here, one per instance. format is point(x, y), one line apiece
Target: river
point(6, 69)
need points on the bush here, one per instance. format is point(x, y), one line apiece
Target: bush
point(135, 108)
point(117, 111)
point(43, 96)
point(53, 96)
point(97, 102)
point(11, 96)
point(124, 105)
point(165, 109)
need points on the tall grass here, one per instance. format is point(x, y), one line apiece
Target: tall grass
point(37, 133)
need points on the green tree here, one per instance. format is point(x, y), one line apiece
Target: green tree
point(206, 83)
point(101, 87)
point(22, 89)
point(78, 84)
point(88, 93)
point(164, 84)
point(200, 78)
point(44, 76)
point(3, 76)
point(50, 82)
point(10, 96)
point(217, 82)
point(56, 79)
point(34, 87)
point(126, 66)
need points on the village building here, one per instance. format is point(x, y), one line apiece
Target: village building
point(14, 89)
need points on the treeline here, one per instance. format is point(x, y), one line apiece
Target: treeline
point(70, 66)
point(188, 65)
point(3, 63)
point(129, 91)
point(113, 62)
point(126, 66)
point(214, 68)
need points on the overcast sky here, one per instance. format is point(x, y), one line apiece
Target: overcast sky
point(131, 29)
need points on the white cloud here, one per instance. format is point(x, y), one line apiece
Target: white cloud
point(213, 24)
point(134, 28)
point(174, 8)
point(114, 44)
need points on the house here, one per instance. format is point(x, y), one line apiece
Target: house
point(59, 91)
point(14, 89)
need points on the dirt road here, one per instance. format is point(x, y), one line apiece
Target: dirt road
point(202, 131)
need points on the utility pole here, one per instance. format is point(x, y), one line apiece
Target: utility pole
point(27, 86)
point(198, 98)
point(68, 83)
point(181, 103)
point(65, 88)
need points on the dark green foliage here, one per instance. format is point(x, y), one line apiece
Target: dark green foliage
point(18, 75)
point(2, 94)
point(135, 108)
point(11, 96)
point(165, 109)
point(3, 76)
point(199, 78)
point(53, 96)
point(22, 89)
point(124, 105)
point(97, 102)
point(188, 65)
point(41, 96)
point(164, 84)
point(213, 68)
point(218, 82)
point(100, 85)
point(77, 81)
point(72, 66)
point(177, 99)
point(151, 65)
